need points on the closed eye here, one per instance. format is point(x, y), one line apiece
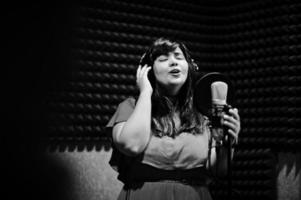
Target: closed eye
point(162, 58)
point(179, 55)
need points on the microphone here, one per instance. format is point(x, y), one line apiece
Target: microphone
point(213, 94)
point(219, 107)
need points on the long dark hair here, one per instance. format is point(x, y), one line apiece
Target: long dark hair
point(163, 106)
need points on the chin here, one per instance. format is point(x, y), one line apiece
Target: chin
point(177, 82)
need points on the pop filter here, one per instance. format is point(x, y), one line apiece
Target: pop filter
point(202, 91)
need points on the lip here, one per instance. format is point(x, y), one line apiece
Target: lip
point(175, 71)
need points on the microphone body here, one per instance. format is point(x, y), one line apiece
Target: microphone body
point(219, 107)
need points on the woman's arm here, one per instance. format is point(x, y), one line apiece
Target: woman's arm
point(131, 137)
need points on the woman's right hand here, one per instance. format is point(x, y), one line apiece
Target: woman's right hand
point(142, 81)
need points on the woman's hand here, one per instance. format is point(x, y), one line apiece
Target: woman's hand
point(142, 79)
point(232, 122)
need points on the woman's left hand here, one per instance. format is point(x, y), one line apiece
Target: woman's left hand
point(232, 122)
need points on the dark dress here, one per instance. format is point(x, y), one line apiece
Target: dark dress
point(169, 169)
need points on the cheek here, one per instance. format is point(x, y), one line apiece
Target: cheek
point(185, 69)
point(159, 70)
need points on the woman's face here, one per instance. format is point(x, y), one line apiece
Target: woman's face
point(171, 71)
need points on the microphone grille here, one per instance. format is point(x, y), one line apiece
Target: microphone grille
point(219, 91)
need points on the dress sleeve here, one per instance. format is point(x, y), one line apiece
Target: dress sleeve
point(119, 161)
point(123, 112)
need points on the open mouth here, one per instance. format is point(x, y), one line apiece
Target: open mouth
point(175, 71)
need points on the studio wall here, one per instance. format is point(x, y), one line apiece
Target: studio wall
point(255, 43)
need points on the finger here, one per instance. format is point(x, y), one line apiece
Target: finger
point(147, 70)
point(234, 113)
point(231, 126)
point(142, 70)
point(231, 119)
point(233, 122)
point(138, 71)
point(233, 135)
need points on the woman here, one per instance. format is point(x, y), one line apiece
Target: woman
point(162, 144)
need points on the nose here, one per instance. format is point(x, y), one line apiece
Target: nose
point(172, 61)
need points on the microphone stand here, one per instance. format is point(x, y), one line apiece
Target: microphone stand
point(228, 144)
point(229, 166)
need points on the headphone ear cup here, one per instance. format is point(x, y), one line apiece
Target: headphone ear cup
point(142, 59)
point(195, 66)
point(195, 72)
point(145, 58)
